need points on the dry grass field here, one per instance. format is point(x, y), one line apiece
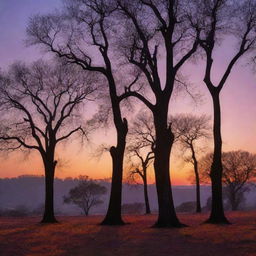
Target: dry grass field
point(81, 236)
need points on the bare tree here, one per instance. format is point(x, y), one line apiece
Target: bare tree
point(39, 110)
point(191, 130)
point(82, 35)
point(86, 194)
point(239, 168)
point(217, 19)
point(140, 152)
point(156, 29)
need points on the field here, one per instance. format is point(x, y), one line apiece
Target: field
point(81, 236)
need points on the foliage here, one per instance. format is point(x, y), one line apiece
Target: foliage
point(86, 194)
point(239, 168)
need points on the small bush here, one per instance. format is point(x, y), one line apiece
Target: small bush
point(19, 211)
point(134, 208)
point(186, 207)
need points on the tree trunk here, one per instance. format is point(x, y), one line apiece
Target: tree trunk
point(198, 194)
point(198, 199)
point(113, 216)
point(234, 205)
point(232, 196)
point(145, 186)
point(49, 216)
point(164, 139)
point(217, 215)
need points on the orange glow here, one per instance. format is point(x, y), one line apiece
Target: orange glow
point(237, 102)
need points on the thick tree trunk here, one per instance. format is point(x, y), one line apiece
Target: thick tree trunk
point(145, 187)
point(217, 215)
point(49, 216)
point(198, 194)
point(164, 140)
point(113, 216)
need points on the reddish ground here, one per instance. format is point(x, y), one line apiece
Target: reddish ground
point(81, 236)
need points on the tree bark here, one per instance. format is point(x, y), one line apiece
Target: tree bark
point(217, 215)
point(164, 140)
point(49, 216)
point(145, 187)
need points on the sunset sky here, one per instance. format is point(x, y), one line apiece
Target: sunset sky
point(238, 102)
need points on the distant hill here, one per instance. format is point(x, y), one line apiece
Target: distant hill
point(28, 191)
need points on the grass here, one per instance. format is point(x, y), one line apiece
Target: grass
point(82, 236)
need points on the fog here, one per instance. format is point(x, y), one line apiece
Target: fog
point(28, 192)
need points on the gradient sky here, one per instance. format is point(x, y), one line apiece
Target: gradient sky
point(238, 102)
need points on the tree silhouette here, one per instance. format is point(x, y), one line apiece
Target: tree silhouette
point(82, 35)
point(86, 194)
point(189, 131)
point(155, 28)
point(239, 168)
point(141, 147)
point(39, 106)
point(216, 19)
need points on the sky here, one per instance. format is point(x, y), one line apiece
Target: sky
point(237, 101)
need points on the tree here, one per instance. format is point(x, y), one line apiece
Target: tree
point(190, 130)
point(39, 110)
point(239, 168)
point(216, 19)
point(154, 29)
point(141, 147)
point(86, 194)
point(82, 35)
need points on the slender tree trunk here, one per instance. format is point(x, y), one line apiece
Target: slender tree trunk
point(49, 216)
point(198, 194)
point(145, 186)
point(86, 210)
point(234, 206)
point(217, 215)
point(164, 140)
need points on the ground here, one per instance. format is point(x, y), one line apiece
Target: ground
point(82, 236)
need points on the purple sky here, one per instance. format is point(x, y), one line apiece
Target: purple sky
point(238, 96)
point(14, 16)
